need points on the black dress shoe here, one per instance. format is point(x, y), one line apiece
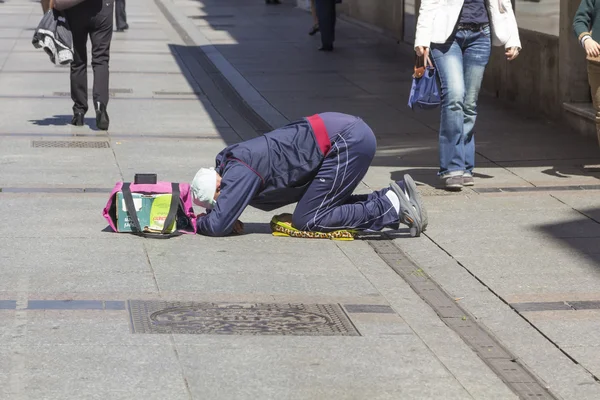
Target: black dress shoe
point(123, 29)
point(101, 117)
point(314, 30)
point(326, 48)
point(77, 119)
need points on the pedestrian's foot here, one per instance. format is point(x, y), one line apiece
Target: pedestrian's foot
point(102, 120)
point(410, 187)
point(77, 119)
point(468, 179)
point(409, 213)
point(454, 182)
point(272, 1)
point(314, 29)
point(326, 48)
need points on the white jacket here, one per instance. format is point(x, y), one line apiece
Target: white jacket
point(438, 18)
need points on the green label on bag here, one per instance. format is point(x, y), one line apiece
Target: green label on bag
point(152, 212)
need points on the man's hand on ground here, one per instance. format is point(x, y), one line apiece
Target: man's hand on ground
point(238, 227)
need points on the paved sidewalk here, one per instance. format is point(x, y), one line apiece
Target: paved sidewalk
point(519, 251)
point(69, 286)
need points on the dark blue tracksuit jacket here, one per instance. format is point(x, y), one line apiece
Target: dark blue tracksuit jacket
point(318, 168)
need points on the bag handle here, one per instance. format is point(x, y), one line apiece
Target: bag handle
point(137, 230)
point(421, 65)
point(173, 208)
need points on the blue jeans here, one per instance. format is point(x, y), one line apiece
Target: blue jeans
point(460, 63)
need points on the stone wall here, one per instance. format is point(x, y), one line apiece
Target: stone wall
point(386, 15)
point(532, 80)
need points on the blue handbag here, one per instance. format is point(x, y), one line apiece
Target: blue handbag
point(424, 92)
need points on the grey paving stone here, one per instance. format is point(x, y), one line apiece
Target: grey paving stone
point(587, 356)
point(65, 372)
point(141, 85)
point(65, 305)
point(76, 327)
point(318, 368)
point(66, 167)
point(88, 266)
point(73, 216)
point(569, 328)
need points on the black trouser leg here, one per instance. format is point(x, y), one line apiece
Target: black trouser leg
point(326, 16)
point(79, 28)
point(120, 14)
point(101, 35)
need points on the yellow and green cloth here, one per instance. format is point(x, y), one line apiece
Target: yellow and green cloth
point(281, 225)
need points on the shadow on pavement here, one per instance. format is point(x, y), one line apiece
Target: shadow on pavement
point(61, 120)
point(581, 234)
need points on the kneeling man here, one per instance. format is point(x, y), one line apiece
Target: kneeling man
point(317, 162)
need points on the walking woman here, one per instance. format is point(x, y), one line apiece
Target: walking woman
point(587, 28)
point(458, 35)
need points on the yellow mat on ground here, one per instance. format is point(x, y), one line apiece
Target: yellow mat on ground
point(281, 225)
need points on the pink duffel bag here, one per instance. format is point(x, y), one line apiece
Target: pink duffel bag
point(181, 209)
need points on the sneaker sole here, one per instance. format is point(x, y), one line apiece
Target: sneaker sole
point(411, 217)
point(417, 200)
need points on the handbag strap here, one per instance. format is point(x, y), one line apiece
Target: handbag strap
point(421, 65)
point(136, 228)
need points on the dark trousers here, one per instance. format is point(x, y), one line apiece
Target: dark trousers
point(93, 18)
point(326, 16)
point(120, 14)
point(328, 203)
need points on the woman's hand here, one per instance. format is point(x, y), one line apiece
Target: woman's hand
point(423, 52)
point(512, 53)
point(592, 48)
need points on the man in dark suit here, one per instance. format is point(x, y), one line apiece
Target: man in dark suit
point(93, 18)
point(326, 16)
point(121, 16)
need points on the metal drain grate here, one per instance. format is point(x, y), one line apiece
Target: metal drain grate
point(69, 144)
point(240, 318)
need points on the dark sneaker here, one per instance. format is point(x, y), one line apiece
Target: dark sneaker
point(409, 214)
point(453, 182)
point(416, 200)
point(468, 179)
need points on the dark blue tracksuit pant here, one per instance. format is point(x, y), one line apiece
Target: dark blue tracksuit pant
point(328, 203)
point(326, 16)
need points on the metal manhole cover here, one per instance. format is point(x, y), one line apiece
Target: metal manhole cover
point(69, 144)
point(239, 318)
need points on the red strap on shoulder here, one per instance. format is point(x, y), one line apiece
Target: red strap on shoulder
point(318, 127)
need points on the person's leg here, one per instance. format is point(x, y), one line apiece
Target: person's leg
point(101, 36)
point(328, 204)
point(476, 54)
point(448, 60)
point(594, 81)
point(324, 10)
point(313, 12)
point(121, 15)
point(78, 22)
point(45, 5)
